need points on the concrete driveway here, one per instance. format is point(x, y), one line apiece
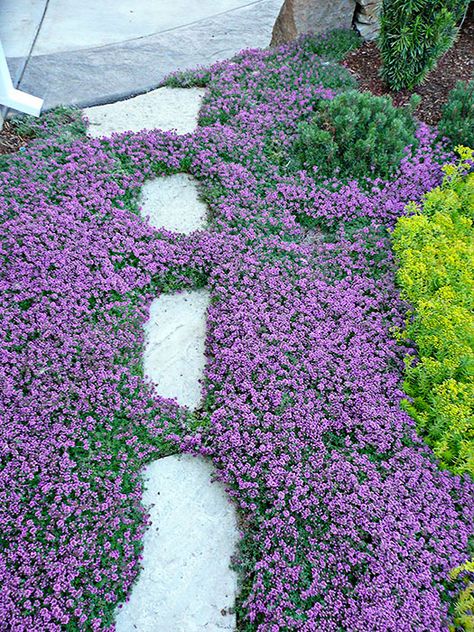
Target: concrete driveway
point(97, 51)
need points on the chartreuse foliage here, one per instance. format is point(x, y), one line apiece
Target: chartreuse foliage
point(435, 249)
point(457, 122)
point(463, 616)
point(413, 35)
point(358, 134)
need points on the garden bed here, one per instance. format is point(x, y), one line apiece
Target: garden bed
point(455, 65)
point(348, 521)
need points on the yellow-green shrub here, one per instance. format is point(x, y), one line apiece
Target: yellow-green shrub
point(434, 246)
point(464, 609)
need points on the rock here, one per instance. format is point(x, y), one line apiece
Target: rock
point(367, 18)
point(165, 108)
point(175, 334)
point(364, 19)
point(371, 11)
point(368, 32)
point(185, 584)
point(172, 202)
point(303, 16)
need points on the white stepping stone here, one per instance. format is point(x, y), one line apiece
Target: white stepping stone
point(165, 108)
point(174, 345)
point(172, 202)
point(186, 584)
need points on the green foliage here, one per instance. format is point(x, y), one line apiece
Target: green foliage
point(197, 78)
point(63, 124)
point(464, 609)
point(413, 35)
point(66, 123)
point(458, 115)
point(357, 133)
point(333, 45)
point(435, 250)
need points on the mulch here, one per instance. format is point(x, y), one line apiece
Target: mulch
point(456, 65)
point(10, 141)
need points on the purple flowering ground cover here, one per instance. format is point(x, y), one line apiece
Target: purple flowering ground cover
point(347, 521)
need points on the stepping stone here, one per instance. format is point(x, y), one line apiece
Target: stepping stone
point(174, 350)
point(185, 584)
point(172, 202)
point(165, 108)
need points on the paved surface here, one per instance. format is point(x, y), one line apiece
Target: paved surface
point(185, 584)
point(155, 109)
point(174, 349)
point(99, 51)
point(173, 203)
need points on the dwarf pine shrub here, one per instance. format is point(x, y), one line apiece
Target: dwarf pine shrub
point(356, 135)
point(434, 246)
point(457, 122)
point(413, 35)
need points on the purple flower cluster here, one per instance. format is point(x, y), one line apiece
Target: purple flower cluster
point(348, 524)
point(78, 421)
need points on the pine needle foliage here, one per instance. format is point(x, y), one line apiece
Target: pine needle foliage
point(413, 35)
point(356, 135)
point(457, 122)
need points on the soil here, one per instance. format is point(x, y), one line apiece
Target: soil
point(10, 141)
point(457, 64)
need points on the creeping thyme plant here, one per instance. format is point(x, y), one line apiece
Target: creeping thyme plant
point(348, 523)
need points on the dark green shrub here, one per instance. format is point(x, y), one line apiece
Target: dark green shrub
point(356, 133)
point(457, 122)
point(413, 35)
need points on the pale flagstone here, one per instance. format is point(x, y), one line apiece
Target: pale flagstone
point(174, 349)
point(172, 202)
point(165, 108)
point(185, 584)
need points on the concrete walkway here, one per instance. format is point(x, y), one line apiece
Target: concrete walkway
point(99, 51)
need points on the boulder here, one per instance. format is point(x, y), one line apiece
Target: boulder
point(367, 18)
point(303, 16)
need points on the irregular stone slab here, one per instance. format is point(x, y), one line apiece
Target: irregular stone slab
point(165, 108)
point(175, 342)
point(172, 202)
point(303, 16)
point(186, 584)
point(367, 18)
